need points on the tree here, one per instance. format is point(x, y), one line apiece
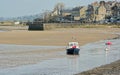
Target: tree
point(59, 7)
point(46, 16)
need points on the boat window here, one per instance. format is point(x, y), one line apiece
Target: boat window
point(71, 44)
point(74, 44)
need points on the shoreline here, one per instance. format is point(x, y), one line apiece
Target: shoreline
point(108, 69)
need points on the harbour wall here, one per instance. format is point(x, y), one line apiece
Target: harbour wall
point(49, 26)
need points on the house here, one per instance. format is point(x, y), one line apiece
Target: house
point(116, 9)
point(76, 13)
point(108, 6)
point(55, 13)
point(95, 6)
point(90, 13)
point(73, 14)
point(83, 12)
point(66, 12)
point(101, 11)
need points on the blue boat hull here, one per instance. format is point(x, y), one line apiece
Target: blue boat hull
point(73, 51)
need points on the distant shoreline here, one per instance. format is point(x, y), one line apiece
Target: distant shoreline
point(10, 28)
point(63, 25)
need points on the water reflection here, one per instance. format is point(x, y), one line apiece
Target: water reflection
point(106, 56)
point(73, 64)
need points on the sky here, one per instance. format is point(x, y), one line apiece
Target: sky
point(16, 8)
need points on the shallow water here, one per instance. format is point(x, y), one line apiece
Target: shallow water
point(1, 30)
point(91, 55)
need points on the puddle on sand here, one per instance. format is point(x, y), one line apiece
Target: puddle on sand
point(91, 55)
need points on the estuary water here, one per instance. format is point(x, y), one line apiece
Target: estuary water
point(91, 55)
point(1, 30)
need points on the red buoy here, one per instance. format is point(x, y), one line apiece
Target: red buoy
point(109, 43)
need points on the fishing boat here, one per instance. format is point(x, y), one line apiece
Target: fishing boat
point(73, 48)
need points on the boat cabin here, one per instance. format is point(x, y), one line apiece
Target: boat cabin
point(73, 45)
point(73, 48)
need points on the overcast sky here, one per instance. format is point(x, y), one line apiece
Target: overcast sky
point(15, 8)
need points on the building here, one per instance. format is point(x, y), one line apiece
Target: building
point(76, 13)
point(97, 11)
point(108, 6)
point(90, 13)
point(83, 12)
point(116, 9)
point(66, 12)
point(101, 11)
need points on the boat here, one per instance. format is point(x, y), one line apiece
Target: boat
point(73, 48)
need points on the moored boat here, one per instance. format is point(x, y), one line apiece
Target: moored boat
point(73, 48)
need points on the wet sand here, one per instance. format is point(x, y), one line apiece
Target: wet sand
point(17, 55)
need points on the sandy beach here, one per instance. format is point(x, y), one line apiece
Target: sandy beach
point(57, 37)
